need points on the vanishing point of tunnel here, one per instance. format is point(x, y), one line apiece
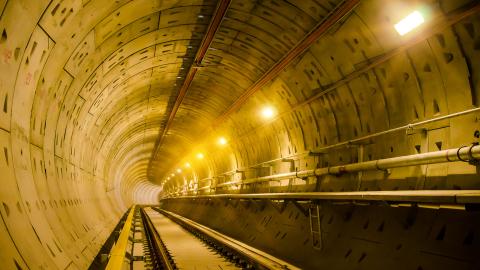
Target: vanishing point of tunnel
point(240, 134)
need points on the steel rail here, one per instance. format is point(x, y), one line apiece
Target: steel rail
point(255, 257)
point(160, 251)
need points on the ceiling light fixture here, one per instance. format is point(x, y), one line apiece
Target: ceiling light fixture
point(268, 112)
point(200, 155)
point(410, 22)
point(222, 141)
point(179, 170)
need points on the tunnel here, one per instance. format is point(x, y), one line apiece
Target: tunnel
point(326, 134)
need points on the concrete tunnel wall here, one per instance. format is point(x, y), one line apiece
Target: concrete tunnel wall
point(373, 81)
point(85, 87)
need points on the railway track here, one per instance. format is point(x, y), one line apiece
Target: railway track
point(176, 242)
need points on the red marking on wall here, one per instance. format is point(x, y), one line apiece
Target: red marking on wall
point(28, 78)
point(7, 56)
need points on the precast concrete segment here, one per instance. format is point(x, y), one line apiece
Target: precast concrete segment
point(187, 251)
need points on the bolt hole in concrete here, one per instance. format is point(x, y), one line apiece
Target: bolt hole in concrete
point(6, 208)
point(17, 265)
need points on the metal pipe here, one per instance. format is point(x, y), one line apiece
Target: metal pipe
point(464, 153)
point(275, 177)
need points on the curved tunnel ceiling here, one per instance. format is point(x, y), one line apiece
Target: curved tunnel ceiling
point(87, 88)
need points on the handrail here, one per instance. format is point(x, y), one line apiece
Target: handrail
point(117, 256)
point(441, 197)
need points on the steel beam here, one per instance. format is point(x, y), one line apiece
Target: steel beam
point(202, 50)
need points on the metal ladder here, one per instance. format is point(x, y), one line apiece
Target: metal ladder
point(315, 226)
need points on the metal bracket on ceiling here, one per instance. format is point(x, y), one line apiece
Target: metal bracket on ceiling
point(241, 172)
point(359, 143)
point(410, 130)
point(385, 171)
point(292, 163)
point(197, 65)
point(316, 154)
